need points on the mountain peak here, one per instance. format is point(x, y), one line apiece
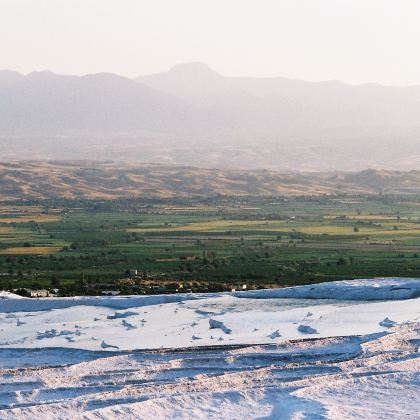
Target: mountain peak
point(42, 74)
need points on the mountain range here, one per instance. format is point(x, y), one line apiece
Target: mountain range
point(192, 115)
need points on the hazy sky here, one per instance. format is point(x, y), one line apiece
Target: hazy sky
point(351, 40)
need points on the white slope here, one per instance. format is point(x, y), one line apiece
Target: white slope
point(268, 354)
point(363, 289)
point(8, 295)
point(178, 325)
point(393, 288)
point(175, 321)
point(365, 377)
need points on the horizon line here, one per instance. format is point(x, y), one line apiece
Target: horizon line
point(210, 69)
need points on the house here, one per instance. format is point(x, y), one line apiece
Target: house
point(38, 293)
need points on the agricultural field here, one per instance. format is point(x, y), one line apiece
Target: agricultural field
point(198, 244)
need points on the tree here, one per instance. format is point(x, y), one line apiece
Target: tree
point(55, 282)
point(341, 261)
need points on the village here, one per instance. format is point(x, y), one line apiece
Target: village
point(135, 283)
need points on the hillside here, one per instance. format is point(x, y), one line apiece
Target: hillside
point(40, 180)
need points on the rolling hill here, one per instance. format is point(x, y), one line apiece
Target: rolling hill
point(107, 180)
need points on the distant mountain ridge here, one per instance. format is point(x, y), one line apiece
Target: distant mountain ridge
point(108, 180)
point(192, 115)
point(289, 102)
point(46, 103)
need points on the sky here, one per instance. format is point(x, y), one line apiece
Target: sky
point(355, 41)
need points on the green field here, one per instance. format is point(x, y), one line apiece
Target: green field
point(206, 244)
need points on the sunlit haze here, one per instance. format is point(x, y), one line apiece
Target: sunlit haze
point(350, 40)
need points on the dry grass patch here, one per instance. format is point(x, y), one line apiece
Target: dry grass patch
point(19, 250)
point(6, 229)
point(211, 226)
point(20, 209)
point(39, 218)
